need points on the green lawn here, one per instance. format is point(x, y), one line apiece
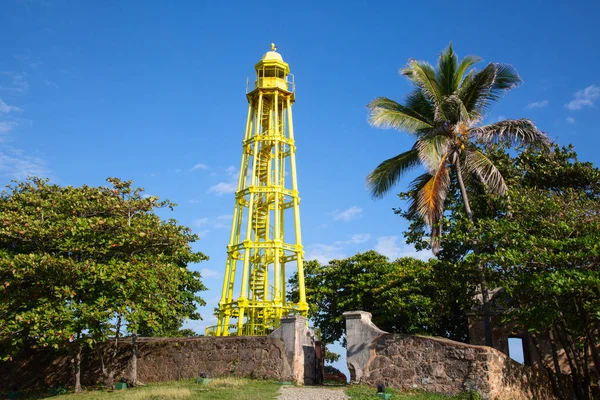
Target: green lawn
point(219, 388)
point(360, 392)
point(227, 388)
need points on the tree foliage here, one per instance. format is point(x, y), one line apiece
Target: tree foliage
point(541, 247)
point(81, 264)
point(406, 295)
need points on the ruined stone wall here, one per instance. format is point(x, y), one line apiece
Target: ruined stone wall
point(444, 366)
point(159, 359)
point(258, 357)
point(438, 365)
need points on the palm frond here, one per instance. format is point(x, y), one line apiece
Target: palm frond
point(415, 187)
point(446, 71)
point(386, 113)
point(480, 89)
point(474, 87)
point(430, 202)
point(507, 78)
point(511, 131)
point(423, 75)
point(432, 149)
point(431, 197)
point(420, 104)
point(388, 173)
point(465, 64)
point(413, 213)
point(477, 163)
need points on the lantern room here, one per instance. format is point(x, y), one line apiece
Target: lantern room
point(273, 72)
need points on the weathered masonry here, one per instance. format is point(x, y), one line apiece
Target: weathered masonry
point(437, 365)
point(288, 354)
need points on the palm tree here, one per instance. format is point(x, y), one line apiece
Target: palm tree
point(444, 112)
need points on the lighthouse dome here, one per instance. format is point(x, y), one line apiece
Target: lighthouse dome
point(271, 55)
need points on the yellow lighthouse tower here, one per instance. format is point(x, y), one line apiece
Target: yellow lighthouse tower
point(266, 203)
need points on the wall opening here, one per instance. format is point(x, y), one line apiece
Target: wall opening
point(516, 349)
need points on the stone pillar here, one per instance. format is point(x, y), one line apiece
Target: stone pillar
point(300, 348)
point(360, 333)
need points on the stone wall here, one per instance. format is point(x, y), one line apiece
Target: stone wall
point(299, 342)
point(159, 359)
point(437, 365)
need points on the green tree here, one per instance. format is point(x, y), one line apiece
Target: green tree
point(444, 112)
point(406, 295)
point(83, 265)
point(543, 250)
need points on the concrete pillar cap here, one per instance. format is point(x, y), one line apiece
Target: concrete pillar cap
point(357, 315)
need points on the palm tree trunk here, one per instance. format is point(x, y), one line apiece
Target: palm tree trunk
point(463, 190)
point(487, 318)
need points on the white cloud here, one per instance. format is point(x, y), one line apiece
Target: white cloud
point(571, 120)
point(222, 221)
point(538, 104)
point(222, 188)
point(410, 251)
point(584, 98)
point(355, 239)
point(228, 186)
point(209, 273)
point(200, 222)
point(202, 234)
point(390, 247)
point(324, 253)
point(199, 166)
point(360, 238)
point(17, 165)
point(7, 126)
point(219, 222)
point(348, 214)
point(13, 82)
point(5, 108)
point(231, 171)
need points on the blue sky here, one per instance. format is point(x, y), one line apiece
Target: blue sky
point(154, 91)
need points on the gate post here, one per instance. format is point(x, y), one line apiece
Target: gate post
point(300, 348)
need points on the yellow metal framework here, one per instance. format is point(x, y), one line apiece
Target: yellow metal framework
point(258, 248)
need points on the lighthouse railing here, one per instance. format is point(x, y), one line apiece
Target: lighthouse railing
point(288, 82)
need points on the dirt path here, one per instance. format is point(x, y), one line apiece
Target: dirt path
point(311, 393)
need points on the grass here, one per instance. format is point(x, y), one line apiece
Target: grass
point(217, 389)
point(230, 388)
point(361, 392)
